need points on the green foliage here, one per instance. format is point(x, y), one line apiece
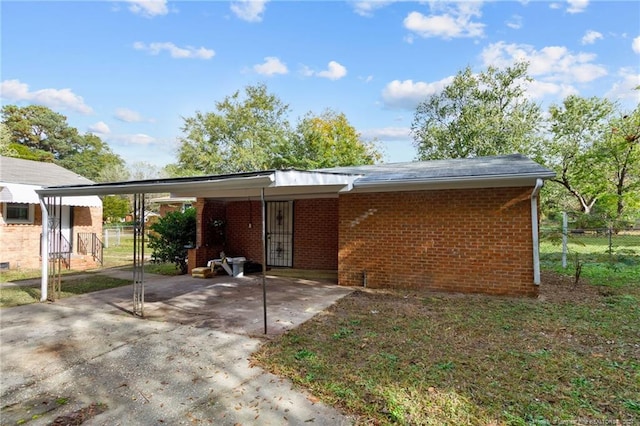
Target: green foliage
point(240, 136)
point(38, 133)
point(114, 208)
point(478, 115)
point(326, 140)
point(252, 133)
point(576, 127)
point(171, 235)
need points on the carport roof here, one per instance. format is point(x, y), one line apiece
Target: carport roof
point(498, 171)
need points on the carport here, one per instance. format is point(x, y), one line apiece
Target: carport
point(270, 185)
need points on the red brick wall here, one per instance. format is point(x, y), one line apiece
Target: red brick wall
point(315, 244)
point(244, 230)
point(475, 240)
point(315, 232)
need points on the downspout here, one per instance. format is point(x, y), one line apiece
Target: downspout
point(534, 231)
point(44, 250)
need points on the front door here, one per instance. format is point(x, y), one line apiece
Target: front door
point(280, 233)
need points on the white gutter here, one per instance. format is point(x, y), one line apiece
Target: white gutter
point(534, 231)
point(44, 279)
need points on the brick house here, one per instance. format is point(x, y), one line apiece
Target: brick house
point(21, 214)
point(465, 225)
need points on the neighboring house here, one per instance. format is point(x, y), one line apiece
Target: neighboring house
point(173, 204)
point(466, 225)
point(79, 218)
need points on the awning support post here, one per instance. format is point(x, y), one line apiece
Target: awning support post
point(264, 259)
point(44, 250)
point(138, 255)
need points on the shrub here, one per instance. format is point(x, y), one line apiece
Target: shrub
point(171, 237)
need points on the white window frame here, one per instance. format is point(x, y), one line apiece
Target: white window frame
point(30, 214)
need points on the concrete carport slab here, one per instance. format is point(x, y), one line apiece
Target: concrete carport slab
point(185, 363)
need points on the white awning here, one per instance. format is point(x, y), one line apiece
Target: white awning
point(26, 194)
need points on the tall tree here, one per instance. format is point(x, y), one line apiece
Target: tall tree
point(326, 140)
point(478, 115)
point(38, 133)
point(240, 136)
point(620, 153)
point(576, 127)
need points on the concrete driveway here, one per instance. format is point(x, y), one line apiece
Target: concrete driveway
point(186, 362)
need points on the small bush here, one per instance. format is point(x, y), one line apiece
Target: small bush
point(171, 237)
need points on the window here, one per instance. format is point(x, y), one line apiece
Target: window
point(18, 213)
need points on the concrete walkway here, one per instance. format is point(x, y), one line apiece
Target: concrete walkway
point(186, 362)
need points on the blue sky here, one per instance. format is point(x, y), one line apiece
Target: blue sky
point(129, 71)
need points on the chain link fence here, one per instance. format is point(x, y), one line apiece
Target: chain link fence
point(567, 244)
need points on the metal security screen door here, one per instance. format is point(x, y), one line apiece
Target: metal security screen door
point(280, 233)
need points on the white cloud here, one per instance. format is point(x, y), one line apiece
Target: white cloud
point(387, 133)
point(577, 6)
point(187, 52)
point(367, 79)
point(132, 139)
point(590, 37)
point(249, 10)
point(16, 91)
point(271, 66)
point(367, 7)
point(625, 87)
point(407, 94)
point(334, 71)
point(537, 89)
point(449, 21)
point(515, 22)
point(100, 128)
point(128, 115)
point(635, 45)
point(148, 8)
point(551, 63)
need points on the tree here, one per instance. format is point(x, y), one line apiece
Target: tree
point(172, 235)
point(478, 115)
point(115, 207)
point(576, 127)
point(5, 142)
point(620, 152)
point(40, 134)
point(240, 136)
point(326, 140)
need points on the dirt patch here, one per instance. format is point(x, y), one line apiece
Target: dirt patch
point(79, 416)
point(556, 288)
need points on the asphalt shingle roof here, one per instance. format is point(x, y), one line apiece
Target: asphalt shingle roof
point(505, 165)
point(15, 170)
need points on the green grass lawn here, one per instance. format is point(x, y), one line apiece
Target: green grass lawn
point(71, 286)
point(411, 358)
